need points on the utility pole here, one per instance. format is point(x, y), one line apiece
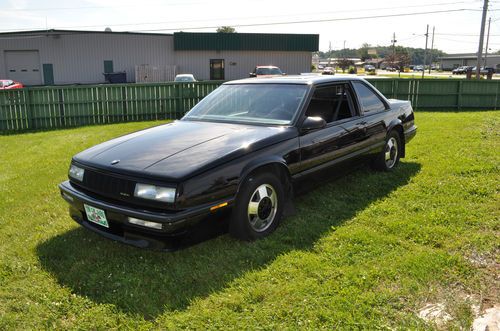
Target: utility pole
point(432, 48)
point(481, 39)
point(329, 52)
point(393, 41)
point(487, 42)
point(425, 54)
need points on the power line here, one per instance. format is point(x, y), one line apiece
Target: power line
point(246, 18)
point(317, 21)
point(198, 2)
point(463, 35)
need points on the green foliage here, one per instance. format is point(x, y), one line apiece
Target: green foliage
point(364, 251)
point(226, 29)
point(416, 54)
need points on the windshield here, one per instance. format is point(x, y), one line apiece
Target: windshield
point(269, 71)
point(184, 79)
point(250, 103)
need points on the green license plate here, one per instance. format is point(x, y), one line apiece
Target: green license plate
point(96, 215)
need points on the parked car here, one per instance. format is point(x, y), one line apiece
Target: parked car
point(328, 71)
point(241, 149)
point(266, 71)
point(8, 84)
point(483, 70)
point(461, 70)
point(184, 78)
point(418, 68)
point(392, 69)
point(369, 68)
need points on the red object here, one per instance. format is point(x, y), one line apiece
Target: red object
point(7, 84)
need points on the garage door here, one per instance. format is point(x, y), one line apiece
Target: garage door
point(24, 67)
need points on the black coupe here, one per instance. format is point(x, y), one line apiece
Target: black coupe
point(240, 149)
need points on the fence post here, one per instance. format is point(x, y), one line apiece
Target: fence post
point(29, 108)
point(459, 94)
point(62, 114)
point(496, 96)
point(124, 104)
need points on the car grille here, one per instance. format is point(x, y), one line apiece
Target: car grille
point(117, 189)
point(107, 185)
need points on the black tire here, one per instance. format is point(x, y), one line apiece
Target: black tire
point(388, 158)
point(244, 224)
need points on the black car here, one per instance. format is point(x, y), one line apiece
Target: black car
point(240, 149)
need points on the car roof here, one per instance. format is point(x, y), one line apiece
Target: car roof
point(184, 75)
point(299, 80)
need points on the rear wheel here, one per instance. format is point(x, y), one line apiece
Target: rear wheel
point(389, 157)
point(258, 208)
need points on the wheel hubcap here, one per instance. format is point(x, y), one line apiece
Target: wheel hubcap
point(391, 152)
point(262, 207)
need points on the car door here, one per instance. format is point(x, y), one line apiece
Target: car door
point(374, 110)
point(343, 134)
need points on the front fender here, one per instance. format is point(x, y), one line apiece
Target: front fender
point(260, 162)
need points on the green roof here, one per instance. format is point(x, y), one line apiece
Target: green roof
point(203, 41)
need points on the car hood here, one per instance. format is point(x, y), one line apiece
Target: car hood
point(180, 149)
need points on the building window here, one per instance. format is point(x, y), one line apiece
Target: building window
point(108, 66)
point(217, 69)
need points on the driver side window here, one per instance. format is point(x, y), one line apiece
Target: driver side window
point(332, 103)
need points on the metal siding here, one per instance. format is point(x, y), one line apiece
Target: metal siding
point(245, 41)
point(198, 62)
point(78, 57)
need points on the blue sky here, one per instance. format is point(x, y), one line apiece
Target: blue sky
point(457, 22)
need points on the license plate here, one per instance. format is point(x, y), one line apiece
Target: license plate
point(96, 215)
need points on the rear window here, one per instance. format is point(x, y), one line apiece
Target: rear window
point(268, 71)
point(370, 102)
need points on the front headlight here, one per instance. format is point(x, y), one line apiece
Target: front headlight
point(76, 172)
point(152, 192)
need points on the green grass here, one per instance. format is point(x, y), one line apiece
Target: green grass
point(364, 251)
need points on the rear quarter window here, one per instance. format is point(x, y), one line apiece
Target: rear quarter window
point(369, 101)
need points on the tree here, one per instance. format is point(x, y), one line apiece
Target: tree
point(344, 63)
point(226, 29)
point(363, 51)
point(399, 58)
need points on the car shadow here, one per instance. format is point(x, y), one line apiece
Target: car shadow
point(150, 283)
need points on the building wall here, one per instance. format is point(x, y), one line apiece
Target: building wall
point(238, 64)
point(79, 57)
point(449, 64)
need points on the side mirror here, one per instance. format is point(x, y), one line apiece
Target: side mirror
point(283, 73)
point(313, 123)
point(253, 74)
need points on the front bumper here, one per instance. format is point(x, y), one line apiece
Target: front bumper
point(173, 224)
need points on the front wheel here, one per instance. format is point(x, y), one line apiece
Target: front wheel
point(389, 157)
point(258, 208)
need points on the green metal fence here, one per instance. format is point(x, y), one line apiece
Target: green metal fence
point(69, 106)
point(453, 94)
point(45, 108)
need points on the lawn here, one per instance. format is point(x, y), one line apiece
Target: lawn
point(365, 251)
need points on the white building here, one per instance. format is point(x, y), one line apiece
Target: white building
point(82, 57)
point(452, 61)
